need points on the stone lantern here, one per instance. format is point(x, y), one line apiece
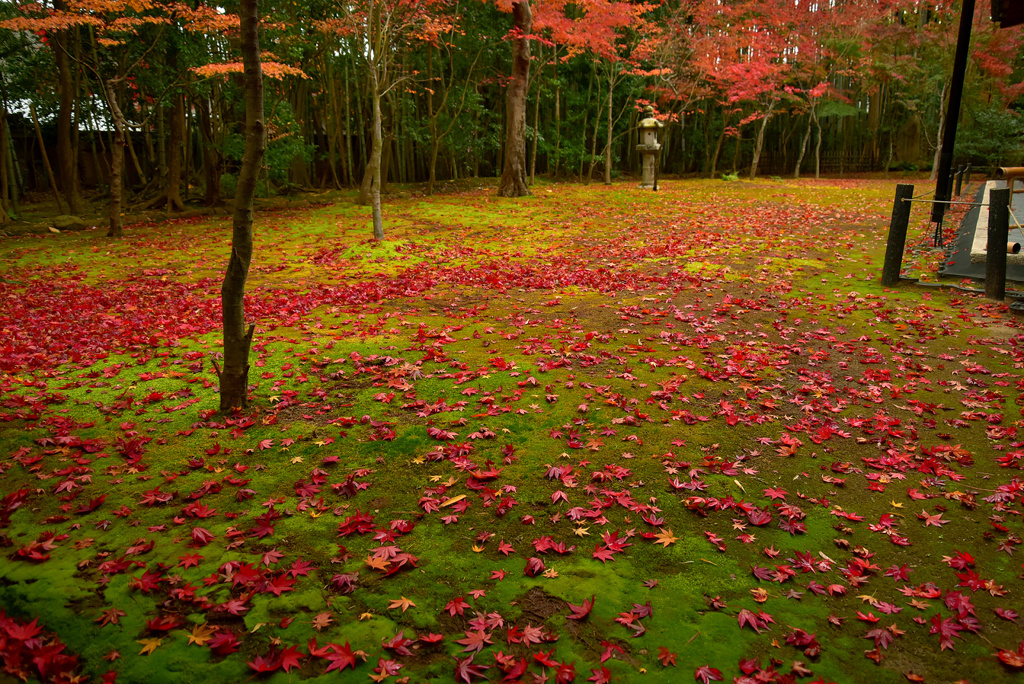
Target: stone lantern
point(649, 147)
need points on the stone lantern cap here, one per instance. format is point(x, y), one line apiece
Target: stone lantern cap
point(649, 132)
point(650, 121)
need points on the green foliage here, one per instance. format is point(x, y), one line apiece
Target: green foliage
point(996, 138)
point(730, 177)
point(284, 144)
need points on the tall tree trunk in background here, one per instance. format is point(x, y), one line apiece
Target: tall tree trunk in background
point(172, 191)
point(759, 142)
point(938, 137)
point(718, 147)
point(803, 149)
point(66, 96)
point(211, 158)
point(234, 377)
point(116, 161)
point(817, 148)
point(5, 194)
point(513, 174)
point(374, 169)
point(608, 142)
point(46, 159)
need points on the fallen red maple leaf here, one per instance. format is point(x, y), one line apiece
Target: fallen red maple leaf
point(581, 611)
point(706, 674)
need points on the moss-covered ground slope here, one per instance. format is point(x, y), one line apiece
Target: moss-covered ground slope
point(598, 434)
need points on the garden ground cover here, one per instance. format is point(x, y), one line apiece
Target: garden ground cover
point(596, 434)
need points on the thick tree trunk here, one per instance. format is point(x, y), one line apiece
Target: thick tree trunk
point(514, 172)
point(234, 377)
point(66, 97)
point(173, 191)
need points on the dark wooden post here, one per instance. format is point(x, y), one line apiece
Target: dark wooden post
point(897, 234)
point(998, 236)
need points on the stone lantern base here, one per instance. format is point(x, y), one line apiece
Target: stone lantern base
point(649, 155)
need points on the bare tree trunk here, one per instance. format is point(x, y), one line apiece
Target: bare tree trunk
point(349, 161)
point(608, 143)
point(374, 170)
point(234, 378)
point(759, 141)
point(174, 163)
point(536, 134)
point(938, 139)
point(66, 95)
point(803, 149)
point(558, 121)
point(817, 147)
point(513, 175)
point(115, 228)
point(46, 160)
point(5, 195)
point(718, 147)
point(211, 158)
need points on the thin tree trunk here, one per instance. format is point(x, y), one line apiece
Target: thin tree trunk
point(46, 160)
point(115, 228)
point(759, 142)
point(817, 148)
point(5, 181)
point(938, 141)
point(513, 174)
point(349, 160)
point(803, 149)
point(211, 158)
point(558, 121)
point(131, 152)
point(718, 148)
point(375, 166)
point(536, 133)
point(234, 378)
point(608, 143)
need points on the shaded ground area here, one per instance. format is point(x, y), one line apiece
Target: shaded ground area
point(958, 260)
point(597, 434)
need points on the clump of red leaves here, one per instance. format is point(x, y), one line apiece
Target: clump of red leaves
point(28, 651)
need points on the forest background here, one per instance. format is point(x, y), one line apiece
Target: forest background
point(776, 87)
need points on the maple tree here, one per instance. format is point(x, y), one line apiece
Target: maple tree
point(234, 376)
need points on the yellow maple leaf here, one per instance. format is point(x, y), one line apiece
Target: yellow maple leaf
point(759, 594)
point(148, 645)
point(581, 532)
point(403, 603)
point(665, 537)
point(376, 563)
point(366, 616)
point(201, 634)
point(297, 459)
